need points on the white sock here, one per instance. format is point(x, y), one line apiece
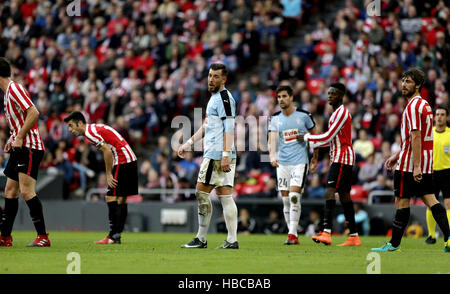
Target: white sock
point(295, 212)
point(204, 214)
point(286, 209)
point(231, 217)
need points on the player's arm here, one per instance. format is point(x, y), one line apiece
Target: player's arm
point(228, 138)
point(187, 146)
point(315, 159)
point(391, 161)
point(416, 143)
point(108, 156)
point(30, 120)
point(325, 138)
point(272, 146)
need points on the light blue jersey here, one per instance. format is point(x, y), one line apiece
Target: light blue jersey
point(220, 114)
point(290, 151)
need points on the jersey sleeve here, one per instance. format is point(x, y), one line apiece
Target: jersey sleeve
point(273, 124)
point(94, 136)
point(325, 138)
point(310, 123)
point(415, 118)
point(226, 107)
point(20, 96)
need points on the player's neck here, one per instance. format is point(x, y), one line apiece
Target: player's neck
point(4, 82)
point(220, 89)
point(440, 129)
point(288, 111)
point(335, 107)
point(413, 96)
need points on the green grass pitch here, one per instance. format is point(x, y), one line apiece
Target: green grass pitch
point(160, 253)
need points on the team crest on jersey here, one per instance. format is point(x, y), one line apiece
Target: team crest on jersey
point(290, 135)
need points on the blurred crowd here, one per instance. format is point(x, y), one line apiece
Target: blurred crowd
point(137, 64)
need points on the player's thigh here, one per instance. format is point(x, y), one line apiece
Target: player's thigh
point(204, 187)
point(447, 203)
point(11, 188)
point(298, 178)
point(284, 177)
point(224, 190)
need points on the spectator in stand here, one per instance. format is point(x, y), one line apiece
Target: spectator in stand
point(363, 146)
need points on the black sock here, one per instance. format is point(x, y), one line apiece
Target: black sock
point(37, 215)
point(330, 207)
point(349, 213)
point(440, 215)
point(401, 220)
point(123, 208)
point(9, 215)
point(112, 216)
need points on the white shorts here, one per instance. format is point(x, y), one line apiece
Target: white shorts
point(211, 173)
point(291, 175)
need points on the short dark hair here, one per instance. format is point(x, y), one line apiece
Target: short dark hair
point(286, 88)
point(441, 107)
point(416, 74)
point(76, 116)
point(219, 66)
point(5, 68)
point(339, 86)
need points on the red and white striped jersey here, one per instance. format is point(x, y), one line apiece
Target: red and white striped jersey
point(99, 134)
point(338, 137)
point(417, 115)
point(16, 102)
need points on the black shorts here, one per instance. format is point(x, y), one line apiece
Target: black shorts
point(127, 180)
point(406, 187)
point(340, 177)
point(23, 160)
point(441, 182)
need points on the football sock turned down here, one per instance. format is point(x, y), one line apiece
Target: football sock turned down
point(431, 224)
point(401, 220)
point(349, 213)
point(112, 216)
point(286, 209)
point(204, 214)
point(230, 214)
point(9, 215)
point(295, 212)
point(37, 215)
point(440, 216)
point(330, 206)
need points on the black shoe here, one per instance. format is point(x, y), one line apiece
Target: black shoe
point(430, 240)
point(228, 245)
point(195, 243)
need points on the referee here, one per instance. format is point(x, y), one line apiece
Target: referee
point(441, 167)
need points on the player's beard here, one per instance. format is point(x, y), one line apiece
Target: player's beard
point(215, 89)
point(409, 93)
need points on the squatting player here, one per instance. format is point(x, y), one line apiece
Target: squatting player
point(291, 160)
point(340, 174)
point(26, 150)
point(121, 170)
point(219, 159)
point(441, 168)
point(414, 171)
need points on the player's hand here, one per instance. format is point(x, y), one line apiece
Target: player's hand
point(183, 148)
point(417, 174)
point(7, 147)
point(390, 163)
point(225, 164)
point(18, 142)
point(301, 138)
point(313, 165)
point(274, 161)
point(111, 181)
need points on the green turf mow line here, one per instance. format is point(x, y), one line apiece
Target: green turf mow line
point(160, 253)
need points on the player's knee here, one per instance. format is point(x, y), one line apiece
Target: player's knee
point(345, 197)
point(11, 192)
point(295, 198)
point(204, 203)
point(28, 194)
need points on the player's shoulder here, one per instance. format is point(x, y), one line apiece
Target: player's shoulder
point(225, 96)
point(303, 112)
point(276, 114)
